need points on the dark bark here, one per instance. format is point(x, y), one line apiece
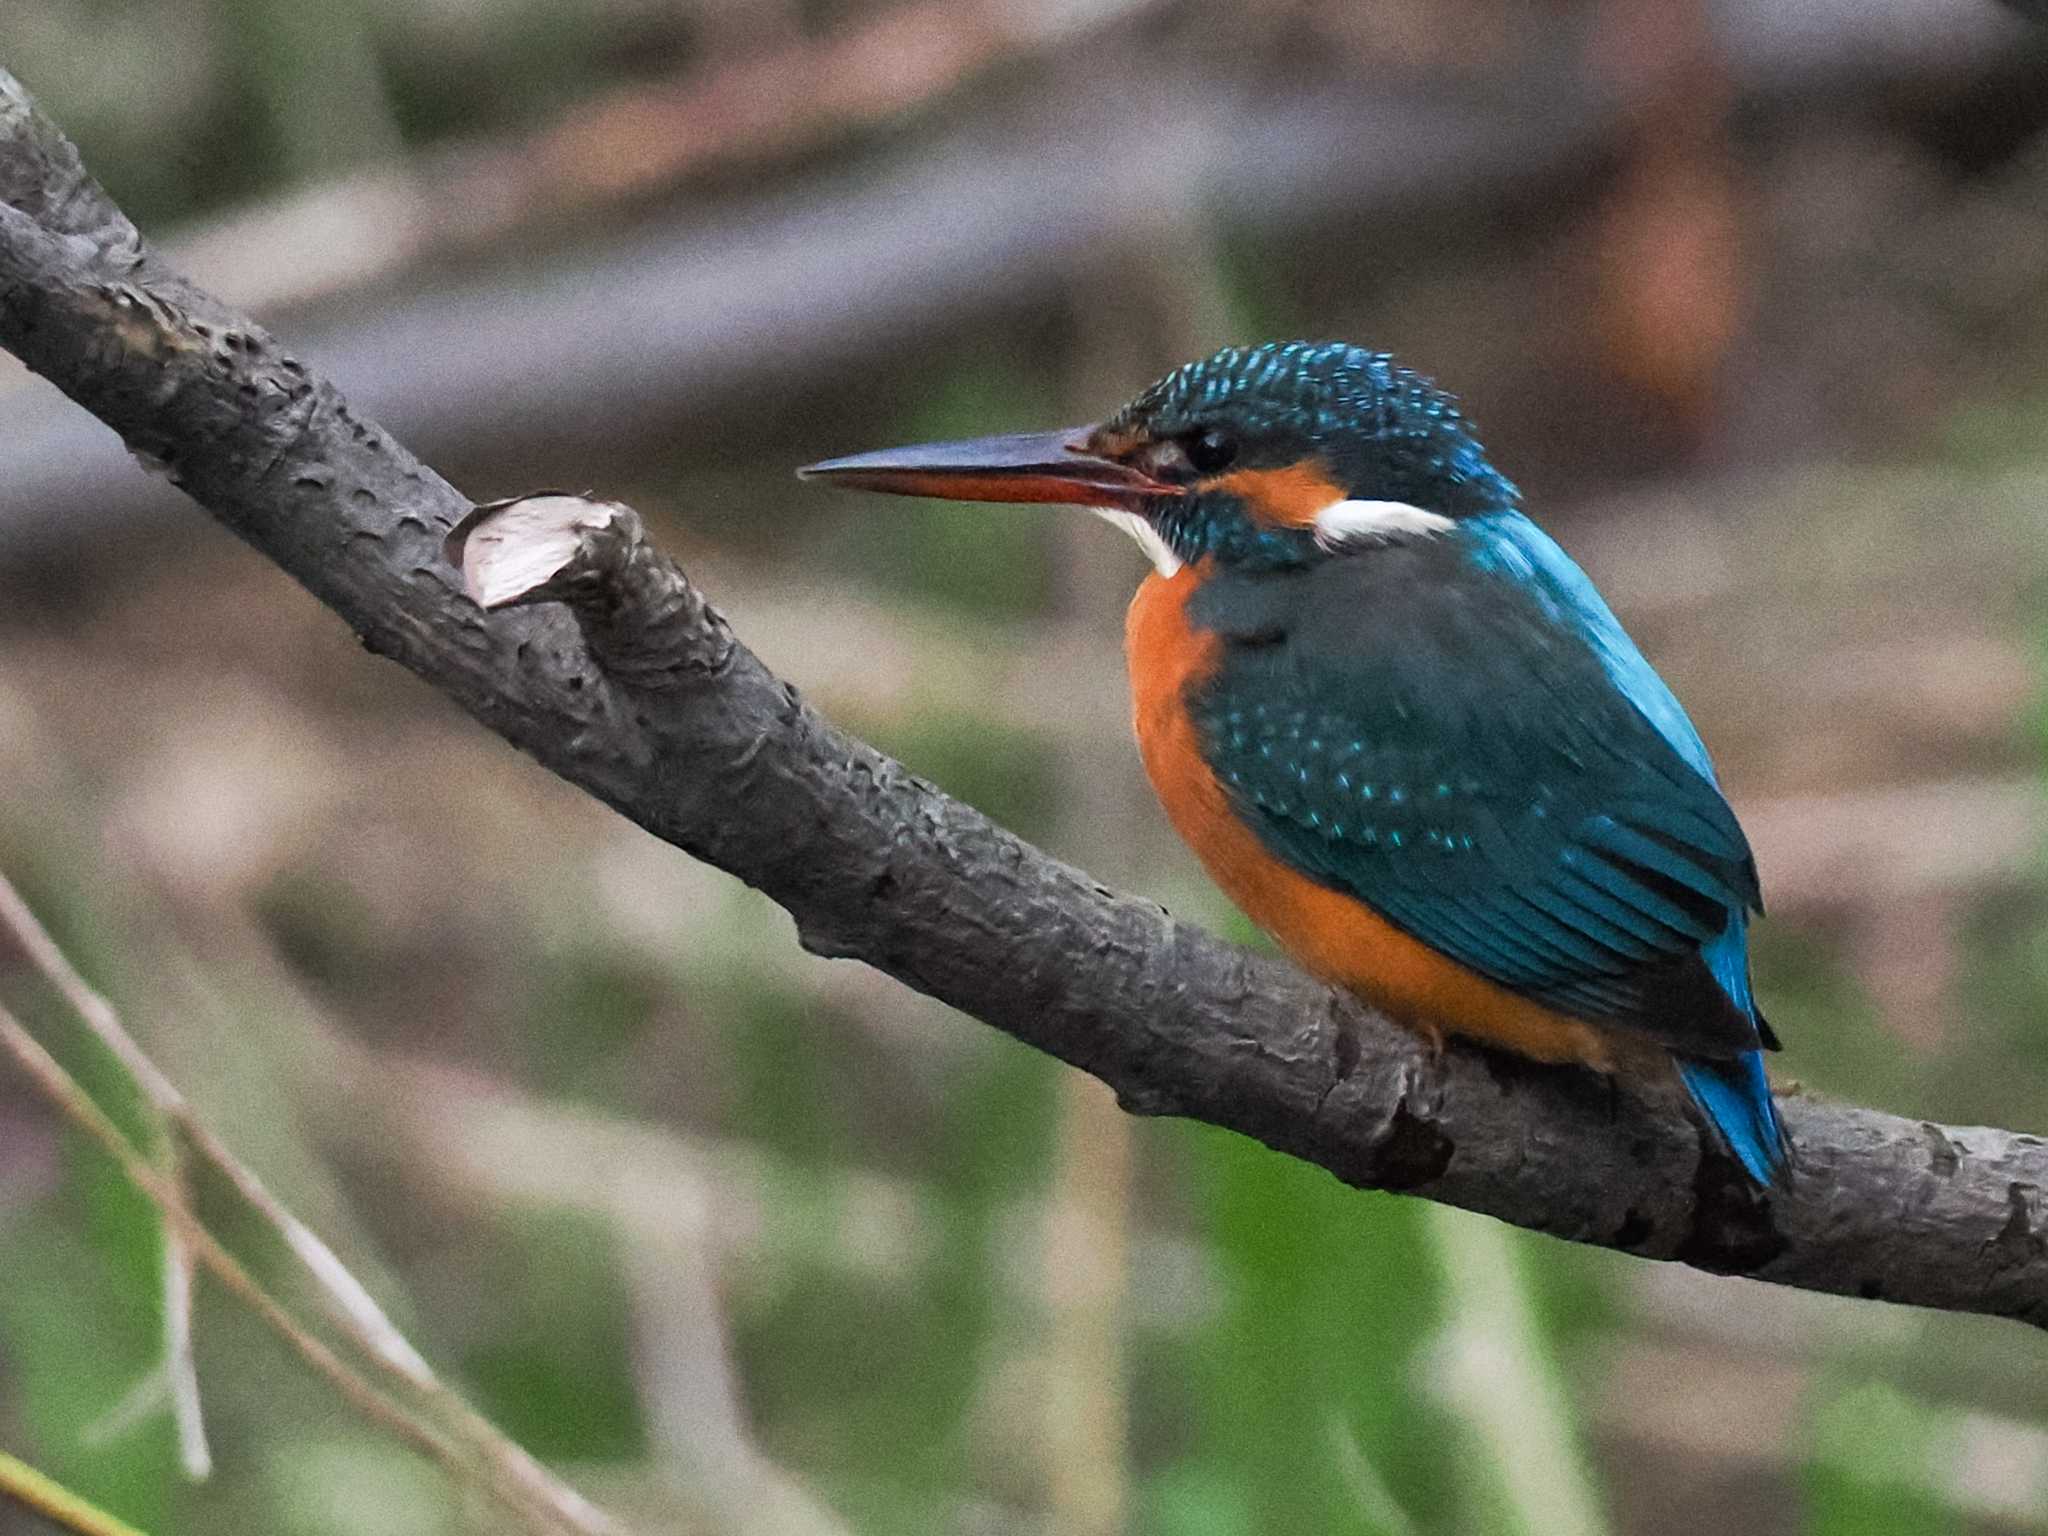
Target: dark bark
point(636, 690)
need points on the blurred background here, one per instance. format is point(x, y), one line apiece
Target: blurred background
point(1751, 296)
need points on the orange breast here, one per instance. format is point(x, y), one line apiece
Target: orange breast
point(1331, 934)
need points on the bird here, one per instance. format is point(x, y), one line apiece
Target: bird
point(1400, 727)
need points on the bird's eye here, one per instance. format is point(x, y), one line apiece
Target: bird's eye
point(1211, 450)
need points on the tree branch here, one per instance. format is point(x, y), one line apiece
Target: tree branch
point(635, 689)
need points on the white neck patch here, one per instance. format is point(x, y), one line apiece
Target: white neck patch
point(1157, 550)
point(1353, 522)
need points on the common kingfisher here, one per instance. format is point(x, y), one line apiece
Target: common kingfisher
point(1399, 726)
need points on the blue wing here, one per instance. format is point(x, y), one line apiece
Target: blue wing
point(1458, 733)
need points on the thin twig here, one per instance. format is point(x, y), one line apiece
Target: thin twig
point(352, 1305)
point(55, 1503)
point(349, 1302)
point(63, 1090)
point(77, 1105)
point(181, 1371)
point(98, 1014)
point(181, 1377)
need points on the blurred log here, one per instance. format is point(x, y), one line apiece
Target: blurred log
point(705, 311)
point(640, 692)
point(752, 106)
point(685, 315)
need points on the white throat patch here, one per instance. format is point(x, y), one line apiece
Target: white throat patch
point(1353, 522)
point(1157, 550)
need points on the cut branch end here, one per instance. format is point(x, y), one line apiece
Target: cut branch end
point(529, 549)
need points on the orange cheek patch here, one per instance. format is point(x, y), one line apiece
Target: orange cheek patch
point(1281, 498)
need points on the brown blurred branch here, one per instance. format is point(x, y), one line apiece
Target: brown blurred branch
point(613, 340)
point(639, 692)
point(633, 141)
point(617, 339)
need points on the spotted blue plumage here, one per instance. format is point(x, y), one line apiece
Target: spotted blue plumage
point(1735, 1095)
point(1455, 729)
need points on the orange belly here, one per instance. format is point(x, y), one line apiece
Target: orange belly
point(1332, 935)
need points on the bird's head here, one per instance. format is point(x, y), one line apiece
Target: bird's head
point(1258, 457)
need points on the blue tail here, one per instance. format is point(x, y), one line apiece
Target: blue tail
point(1735, 1096)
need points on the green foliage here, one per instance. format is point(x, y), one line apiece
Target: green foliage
point(82, 1327)
point(1998, 1073)
point(591, 1002)
point(544, 55)
point(786, 1094)
point(356, 1484)
point(554, 1368)
point(985, 560)
point(1326, 1294)
point(1815, 1002)
point(867, 1380)
point(83, 1270)
point(1873, 1449)
point(324, 927)
point(1009, 775)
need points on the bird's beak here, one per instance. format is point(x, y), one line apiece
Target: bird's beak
point(1027, 466)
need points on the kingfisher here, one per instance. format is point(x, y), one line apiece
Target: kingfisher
point(1399, 726)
